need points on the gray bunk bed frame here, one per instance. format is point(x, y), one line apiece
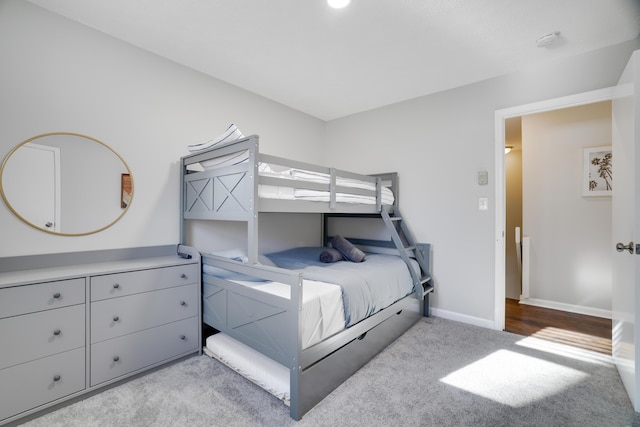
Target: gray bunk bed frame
point(271, 324)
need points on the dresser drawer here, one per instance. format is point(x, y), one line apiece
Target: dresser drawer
point(36, 335)
point(120, 356)
point(118, 316)
point(133, 282)
point(41, 296)
point(32, 384)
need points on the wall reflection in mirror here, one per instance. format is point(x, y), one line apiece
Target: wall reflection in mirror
point(65, 183)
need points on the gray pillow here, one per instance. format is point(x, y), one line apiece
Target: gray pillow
point(347, 249)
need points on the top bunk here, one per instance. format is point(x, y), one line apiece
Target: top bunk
point(234, 182)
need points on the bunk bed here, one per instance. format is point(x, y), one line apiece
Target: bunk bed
point(261, 306)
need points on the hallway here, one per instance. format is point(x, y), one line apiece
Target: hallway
point(577, 330)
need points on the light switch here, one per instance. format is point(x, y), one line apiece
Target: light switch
point(483, 178)
point(483, 203)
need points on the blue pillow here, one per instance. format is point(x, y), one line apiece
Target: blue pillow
point(298, 258)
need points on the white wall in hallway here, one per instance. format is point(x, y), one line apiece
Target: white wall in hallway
point(570, 235)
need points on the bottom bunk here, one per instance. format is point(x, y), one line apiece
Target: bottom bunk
point(321, 378)
point(299, 332)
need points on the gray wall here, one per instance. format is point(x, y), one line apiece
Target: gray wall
point(58, 75)
point(438, 144)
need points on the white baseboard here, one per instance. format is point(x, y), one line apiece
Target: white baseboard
point(589, 311)
point(462, 318)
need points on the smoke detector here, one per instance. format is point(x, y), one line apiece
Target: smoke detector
point(548, 39)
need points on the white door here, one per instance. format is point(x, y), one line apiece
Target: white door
point(626, 228)
point(31, 183)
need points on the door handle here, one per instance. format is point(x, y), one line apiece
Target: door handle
point(622, 247)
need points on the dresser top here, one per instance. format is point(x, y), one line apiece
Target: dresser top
point(38, 275)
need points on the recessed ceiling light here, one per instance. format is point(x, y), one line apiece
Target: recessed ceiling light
point(548, 39)
point(338, 4)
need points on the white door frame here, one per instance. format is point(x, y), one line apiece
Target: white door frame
point(584, 98)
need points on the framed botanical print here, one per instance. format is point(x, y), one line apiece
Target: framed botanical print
point(597, 171)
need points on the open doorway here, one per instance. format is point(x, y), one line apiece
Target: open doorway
point(569, 299)
point(513, 208)
point(501, 118)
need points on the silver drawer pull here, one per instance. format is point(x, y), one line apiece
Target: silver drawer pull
point(116, 358)
point(183, 276)
point(116, 285)
point(57, 377)
point(57, 332)
point(183, 303)
point(116, 318)
point(57, 295)
point(183, 337)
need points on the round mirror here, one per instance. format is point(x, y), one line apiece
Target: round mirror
point(66, 183)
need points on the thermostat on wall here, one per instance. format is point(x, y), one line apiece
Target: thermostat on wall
point(483, 178)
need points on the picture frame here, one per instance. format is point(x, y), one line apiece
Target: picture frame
point(597, 167)
point(125, 190)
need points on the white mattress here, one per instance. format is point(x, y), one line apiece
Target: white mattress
point(253, 365)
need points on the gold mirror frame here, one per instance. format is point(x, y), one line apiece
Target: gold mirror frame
point(59, 233)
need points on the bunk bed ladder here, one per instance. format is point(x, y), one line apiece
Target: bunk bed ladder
point(406, 245)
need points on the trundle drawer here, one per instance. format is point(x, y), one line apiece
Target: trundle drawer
point(133, 282)
point(42, 334)
point(32, 384)
point(120, 356)
point(41, 296)
point(118, 316)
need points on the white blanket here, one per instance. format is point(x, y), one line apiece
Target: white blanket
point(290, 193)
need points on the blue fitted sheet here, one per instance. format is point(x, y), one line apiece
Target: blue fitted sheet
point(367, 287)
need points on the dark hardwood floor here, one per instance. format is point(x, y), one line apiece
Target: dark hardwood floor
point(577, 330)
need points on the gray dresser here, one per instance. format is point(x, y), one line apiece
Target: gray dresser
point(68, 330)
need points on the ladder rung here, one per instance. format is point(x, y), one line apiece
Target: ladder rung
point(405, 244)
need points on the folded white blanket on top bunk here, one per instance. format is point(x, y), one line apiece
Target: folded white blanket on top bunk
point(231, 134)
point(291, 193)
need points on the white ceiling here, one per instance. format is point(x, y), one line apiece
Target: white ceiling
point(331, 63)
